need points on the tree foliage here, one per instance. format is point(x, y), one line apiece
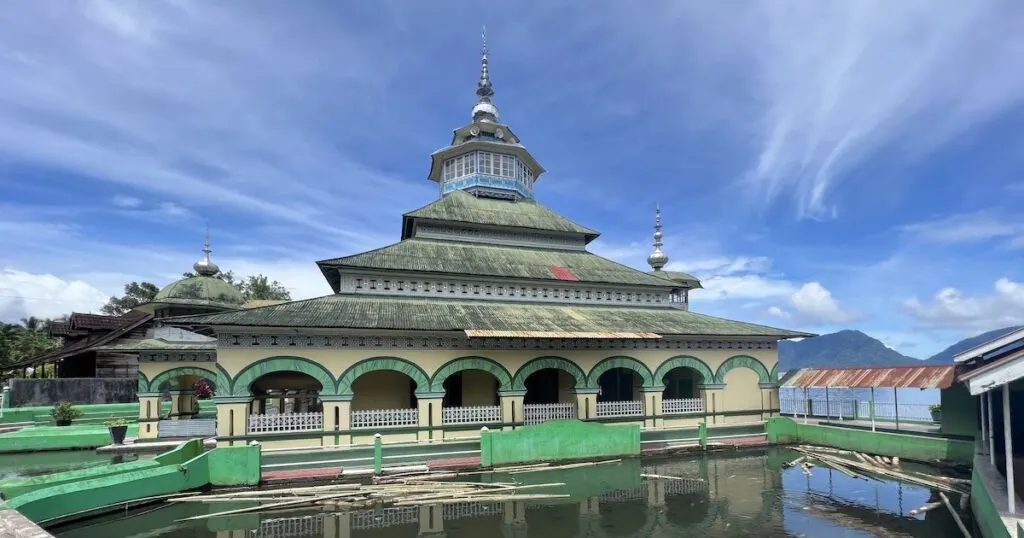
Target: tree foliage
point(254, 287)
point(18, 342)
point(135, 293)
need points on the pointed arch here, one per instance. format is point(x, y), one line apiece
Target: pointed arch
point(742, 361)
point(471, 363)
point(269, 365)
point(143, 383)
point(540, 363)
point(684, 361)
point(395, 364)
point(774, 374)
point(621, 361)
point(163, 377)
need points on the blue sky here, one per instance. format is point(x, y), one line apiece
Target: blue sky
point(820, 165)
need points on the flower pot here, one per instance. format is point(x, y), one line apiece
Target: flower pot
point(936, 415)
point(117, 433)
point(63, 421)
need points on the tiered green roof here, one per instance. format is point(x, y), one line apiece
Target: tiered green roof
point(445, 314)
point(476, 259)
point(201, 290)
point(462, 207)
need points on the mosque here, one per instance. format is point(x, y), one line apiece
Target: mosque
point(488, 311)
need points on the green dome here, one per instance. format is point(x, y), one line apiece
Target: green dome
point(200, 290)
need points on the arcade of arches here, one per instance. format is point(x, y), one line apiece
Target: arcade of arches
point(340, 397)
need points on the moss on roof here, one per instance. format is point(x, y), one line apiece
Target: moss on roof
point(476, 259)
point(444, 314)
point(460, 206)
point(203, 290)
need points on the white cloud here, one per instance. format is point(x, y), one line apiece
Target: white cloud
point(748, 286)
point(952, 308)
point(126, 202)
point(46, 296)
point(815, 304)
point(778, 312)
point(965, 228)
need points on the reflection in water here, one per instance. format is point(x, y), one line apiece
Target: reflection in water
point(735, 494)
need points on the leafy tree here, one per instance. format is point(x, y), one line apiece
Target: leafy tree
point(255, 287)
point(135, 293)
point(18, 343)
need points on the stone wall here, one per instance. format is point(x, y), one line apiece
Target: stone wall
point(83, 390)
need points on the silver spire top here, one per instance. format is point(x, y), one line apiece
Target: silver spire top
point(657, 259)
point(205, 266)
point(484, 109)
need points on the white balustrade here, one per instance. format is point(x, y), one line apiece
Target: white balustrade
point(682, 405)
point(286, 422)
point(859, 409)
point(385, 418)
point(537, 413)
point(629, 408)
point(485, 414)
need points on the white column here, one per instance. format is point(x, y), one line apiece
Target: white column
point(991, 434)
point(984, 425)
point(1011, 495)
point(871, 408)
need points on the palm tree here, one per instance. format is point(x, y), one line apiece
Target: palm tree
point(33, 323)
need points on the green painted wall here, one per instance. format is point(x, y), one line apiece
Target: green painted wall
point(38, 438)
point(96, 413)
point(228, 466)
point(784, 430)
point(986, 516)
point(559, 440)
point(959, 411)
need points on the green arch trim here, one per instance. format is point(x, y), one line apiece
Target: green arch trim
point(540, 363)
point(269, 365)
point(209, 375)
point(143, 383)
point(774, 374)
point(621, 361)
point(742, 361)
point(395, 364)
point(684, 361)
point(470, 363)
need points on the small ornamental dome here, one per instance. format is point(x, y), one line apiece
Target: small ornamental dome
point(657, 259)
point(204, 289)
point(485, 112)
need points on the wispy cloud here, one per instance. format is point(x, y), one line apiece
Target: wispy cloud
point(966, 228)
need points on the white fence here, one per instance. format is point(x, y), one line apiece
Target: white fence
point(385, 418)
point(286, 422)
point(205, 427)
point(487, 414)
point(682, 405)
point(537, 413)
point(620, 409)
point(855, 409)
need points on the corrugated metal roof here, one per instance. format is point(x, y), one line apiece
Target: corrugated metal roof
point(483, 333)
point(900, 377)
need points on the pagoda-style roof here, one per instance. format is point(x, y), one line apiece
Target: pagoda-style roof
point(445, 314)
point(482, 260)
point(462, 207)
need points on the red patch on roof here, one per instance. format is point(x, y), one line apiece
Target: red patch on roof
point(561, 273)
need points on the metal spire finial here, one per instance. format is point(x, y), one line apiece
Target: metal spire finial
point(657, 259)
point(206, 267)
point(484, 109)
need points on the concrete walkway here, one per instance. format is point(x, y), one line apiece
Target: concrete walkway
point(15, 525)
point(132, 446)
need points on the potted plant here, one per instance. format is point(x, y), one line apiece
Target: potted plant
point(64, 412)
point(118, 428)
point(936, 411)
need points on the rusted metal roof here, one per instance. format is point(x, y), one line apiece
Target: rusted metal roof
point(481, 333)
point(900, 377)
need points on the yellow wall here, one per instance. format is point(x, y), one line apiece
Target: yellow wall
point(741, 390)
point(381, 389)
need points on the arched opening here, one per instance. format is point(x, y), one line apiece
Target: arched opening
point(471, 397)
point(285, 401)
point(619, 392)
point(179, 406)
point(549, 395)
point(682, 392)
point(383, 399)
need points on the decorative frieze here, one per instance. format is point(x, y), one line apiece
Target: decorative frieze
point(252, 340)
point(178, 356)
point(371, 284)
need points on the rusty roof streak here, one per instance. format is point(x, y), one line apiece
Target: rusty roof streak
point(483, 333)
point(900, 377)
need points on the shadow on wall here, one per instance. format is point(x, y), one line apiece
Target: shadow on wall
point(77, 390)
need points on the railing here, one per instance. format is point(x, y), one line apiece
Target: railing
point(187, 428)
point(286, 422)
point(627, 408)
point(537, 413)
point(385, 418)
point(682, 405)
point(856, 409)
point(486, 414)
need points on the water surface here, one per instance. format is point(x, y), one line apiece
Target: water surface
point(743, 493)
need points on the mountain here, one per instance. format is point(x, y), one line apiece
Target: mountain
point(946, 356)
point(842, 349)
